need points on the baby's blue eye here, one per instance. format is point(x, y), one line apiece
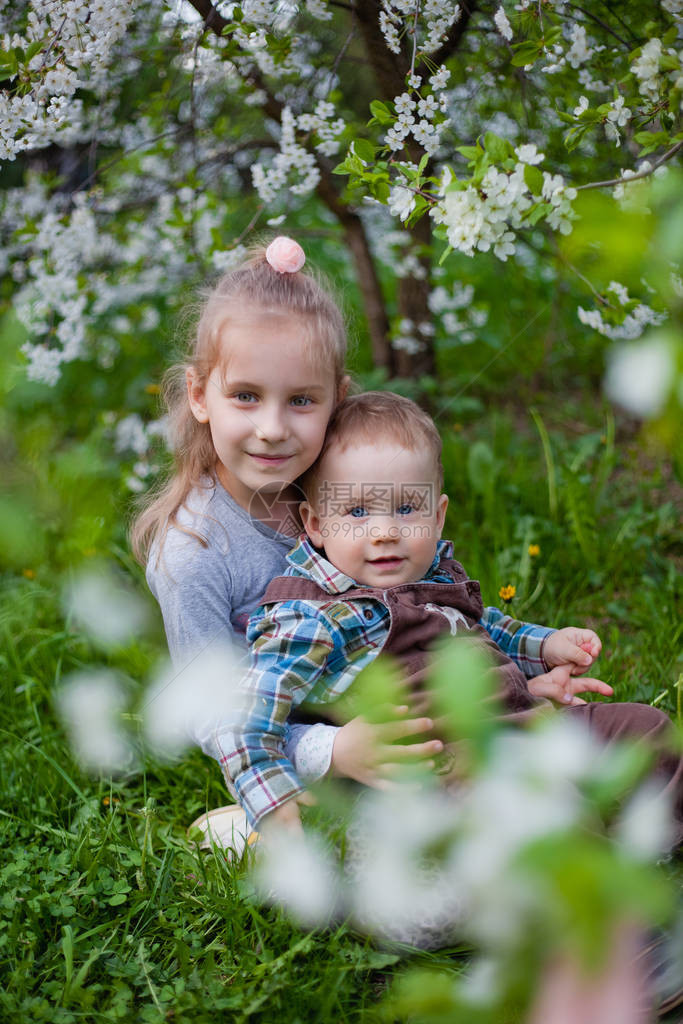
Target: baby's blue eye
point(358, 512)
point(405, 510)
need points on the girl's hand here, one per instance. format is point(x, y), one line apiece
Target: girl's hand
point(561, 685)
point(367, 751)
point(577, 648)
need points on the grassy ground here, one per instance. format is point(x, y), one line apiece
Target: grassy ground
point(107, 912)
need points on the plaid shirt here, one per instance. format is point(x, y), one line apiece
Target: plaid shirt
point(312, 651)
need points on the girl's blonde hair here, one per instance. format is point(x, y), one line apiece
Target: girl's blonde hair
point(253, 285)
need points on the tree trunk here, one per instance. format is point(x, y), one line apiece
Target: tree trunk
point(371, 290)
point(413, 305)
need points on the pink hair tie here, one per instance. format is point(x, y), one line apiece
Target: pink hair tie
point(285, 255)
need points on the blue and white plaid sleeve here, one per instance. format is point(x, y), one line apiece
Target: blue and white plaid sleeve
point(521, 641)
point(289, 650)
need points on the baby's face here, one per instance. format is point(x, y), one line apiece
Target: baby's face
point(378, 514)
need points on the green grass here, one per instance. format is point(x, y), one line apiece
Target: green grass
point(107, 912)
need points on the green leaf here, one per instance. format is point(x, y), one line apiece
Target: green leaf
point(469, 152)
point(33, 49)
point(481, 467)
point(380, 190)
point(498, 149)
point(364, 149)
point(525, 53)
point(668, 62)
point(445, 254)
point(381, 113)
point(376, 688)
point(463, 689)
point(536, 212)
point(534, 179)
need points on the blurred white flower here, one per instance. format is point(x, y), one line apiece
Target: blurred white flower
point(640, 376)
point(397, 889)
point(296, 869)
point(110, 612)
point(645, 827)
point(226, 259)
point(89, 704)
point(502, 23)
point(185, 706)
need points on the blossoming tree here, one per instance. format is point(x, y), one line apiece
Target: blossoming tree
point(143, 143)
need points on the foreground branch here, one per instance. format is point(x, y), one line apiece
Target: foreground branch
point(635, 177)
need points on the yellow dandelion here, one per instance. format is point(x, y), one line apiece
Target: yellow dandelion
point(29, 574)
point(507, 593)
point(534, 550)
point(153, 389)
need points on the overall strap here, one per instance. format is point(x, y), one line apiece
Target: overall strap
point(294, 588)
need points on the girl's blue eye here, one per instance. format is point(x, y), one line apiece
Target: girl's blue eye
point(405, 510)
point(245, 396)
point(358, 512)
point(301, 400)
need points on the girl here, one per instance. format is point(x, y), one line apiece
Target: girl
point(248, 413)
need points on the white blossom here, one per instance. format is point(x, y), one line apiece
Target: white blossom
point(295, 868)
point(106, 609)
point(186, 705)
point(645, 827)
point(528, 154)
point(319, 9)
point(502, 23)
point(640, 375)
point(580, 51)
point(401, 202)
point(632, 326)
point(439, 80)
point(90, 704)
point(620, 291)
point(293, 167)
point(646, 69)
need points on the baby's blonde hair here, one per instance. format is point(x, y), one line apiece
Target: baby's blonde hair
point(377, 416)
point(256, 288)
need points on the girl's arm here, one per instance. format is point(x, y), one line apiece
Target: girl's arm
point(524, 642)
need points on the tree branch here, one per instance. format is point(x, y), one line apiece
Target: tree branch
point(603, 25)
point(635, 177)
point(212, 19)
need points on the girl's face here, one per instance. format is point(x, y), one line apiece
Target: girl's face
point(267, 405)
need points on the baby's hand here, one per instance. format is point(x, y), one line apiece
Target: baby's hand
point(561, 685)
point(577, 648)
point(367, 751)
